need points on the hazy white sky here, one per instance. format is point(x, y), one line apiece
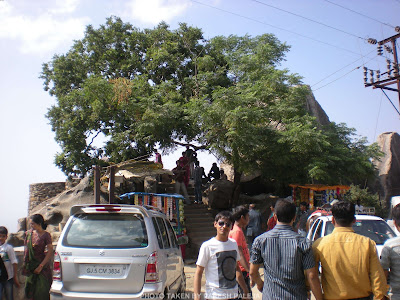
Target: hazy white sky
point(328, 45)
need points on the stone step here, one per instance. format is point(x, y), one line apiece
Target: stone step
point(195, 230)
point(204, 222)
point(195, 208)
point(197, 211)
point(200, 239)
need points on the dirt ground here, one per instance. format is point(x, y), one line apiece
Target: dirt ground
point(190, 269)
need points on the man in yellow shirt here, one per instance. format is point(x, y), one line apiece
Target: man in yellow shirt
point(350, 265)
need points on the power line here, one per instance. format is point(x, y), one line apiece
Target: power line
point(264, 23)
point(337, 78)
point(356, 68)
point(362, 57)
point(391, 102)
point(356, 12)
point(308, 19)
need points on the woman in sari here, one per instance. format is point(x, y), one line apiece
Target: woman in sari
point(38, 253)
point(272, 218)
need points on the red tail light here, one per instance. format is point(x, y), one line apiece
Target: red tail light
point(151, 269)
point(57, 267)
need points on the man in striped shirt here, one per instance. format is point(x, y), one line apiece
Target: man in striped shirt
point(286, 256)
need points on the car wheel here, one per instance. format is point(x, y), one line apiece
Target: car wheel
point(182, 288)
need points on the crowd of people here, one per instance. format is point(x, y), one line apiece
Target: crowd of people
point(188, 168)
point(349, 264)
point(36, 266)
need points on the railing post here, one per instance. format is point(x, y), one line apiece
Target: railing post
point(96, 171)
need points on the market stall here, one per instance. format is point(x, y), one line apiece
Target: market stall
point(170, 204)
point(317, 194)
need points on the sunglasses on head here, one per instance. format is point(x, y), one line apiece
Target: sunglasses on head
point(222, 223)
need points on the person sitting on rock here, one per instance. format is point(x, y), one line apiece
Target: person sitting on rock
point(214, 172)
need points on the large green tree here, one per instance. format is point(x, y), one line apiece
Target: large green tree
point(141, 88)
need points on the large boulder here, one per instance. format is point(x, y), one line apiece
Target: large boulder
point(315, 109)
point(388, 184)
point(218, 195)
point(150, 184)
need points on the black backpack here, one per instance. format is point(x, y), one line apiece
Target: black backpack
point(3, 271)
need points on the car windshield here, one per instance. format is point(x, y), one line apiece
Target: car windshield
point(377, 230)
point(106, 231)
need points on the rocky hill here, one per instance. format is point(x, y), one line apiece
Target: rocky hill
point(388, 182)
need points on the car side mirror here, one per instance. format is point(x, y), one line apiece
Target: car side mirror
point(183, 240)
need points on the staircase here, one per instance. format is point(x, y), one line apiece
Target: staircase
point(199, 227)
point(199, 221)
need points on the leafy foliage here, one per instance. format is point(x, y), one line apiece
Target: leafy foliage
point(138, 88)
point(367, 199)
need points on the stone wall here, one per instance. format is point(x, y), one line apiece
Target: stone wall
point(39, 192)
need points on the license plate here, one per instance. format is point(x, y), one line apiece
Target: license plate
point(107, 271)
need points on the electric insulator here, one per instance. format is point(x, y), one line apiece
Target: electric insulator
point(378, 75)
point(372, 41)
point(365, 74)
point(380, 51)
point(397, 28)
point(396, 69)
point(388, 49)
point(371, 73)
point(389, 67)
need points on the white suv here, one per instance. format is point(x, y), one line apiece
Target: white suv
point(117, 252)
point(372, 227)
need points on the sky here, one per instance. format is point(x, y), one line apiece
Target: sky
point(328, 49)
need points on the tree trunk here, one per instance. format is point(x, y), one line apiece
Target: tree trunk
point(236, 188)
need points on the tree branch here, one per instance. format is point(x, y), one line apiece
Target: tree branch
point(203, 147)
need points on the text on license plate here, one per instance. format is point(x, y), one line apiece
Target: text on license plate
point(109, 271)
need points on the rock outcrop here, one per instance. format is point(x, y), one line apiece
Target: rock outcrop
point(388, 184)
point(315, 109)
point(219, 194)
point(56, 210)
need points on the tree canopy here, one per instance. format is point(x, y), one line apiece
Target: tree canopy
point(141, 88)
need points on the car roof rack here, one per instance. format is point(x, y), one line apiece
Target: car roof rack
point(107, 207)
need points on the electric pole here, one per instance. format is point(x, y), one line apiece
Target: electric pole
point(391, 77)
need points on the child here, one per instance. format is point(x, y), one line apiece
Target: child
point(218, 257)
point(10, 261)
point(390, 257)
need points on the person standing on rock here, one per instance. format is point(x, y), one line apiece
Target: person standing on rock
point(158, 158)
point(218, 258)
point(198, 182)
point(184, 163)
point(179, 177)
point(38, 253)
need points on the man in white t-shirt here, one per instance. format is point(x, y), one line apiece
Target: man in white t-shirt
point(218, 258)
point(10, 262)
